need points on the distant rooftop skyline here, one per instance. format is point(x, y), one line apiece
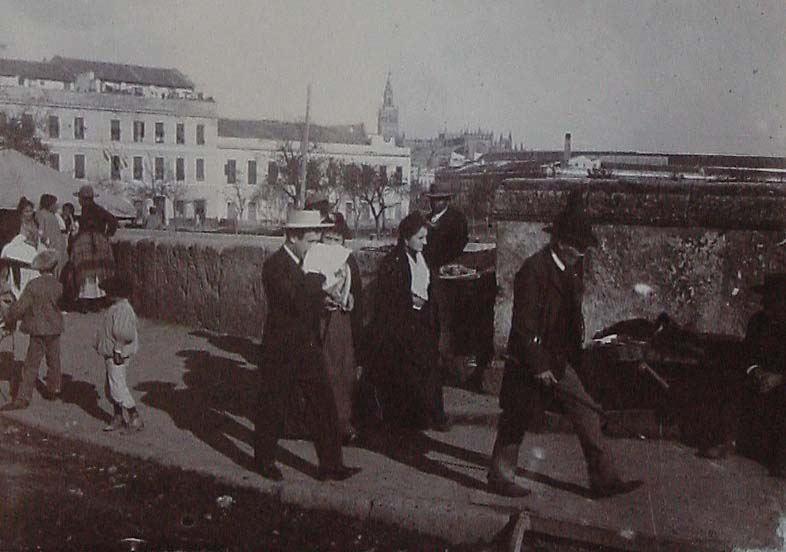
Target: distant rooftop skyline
point(650, 75)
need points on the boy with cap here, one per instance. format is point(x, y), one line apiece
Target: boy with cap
point(544, 350)
point(38, 309)
point(116, 342)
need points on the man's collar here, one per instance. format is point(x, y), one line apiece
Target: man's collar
point(557, 260)
point(295, 258)
point(435, 218)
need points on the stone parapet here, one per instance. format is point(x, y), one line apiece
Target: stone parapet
point(699, 246)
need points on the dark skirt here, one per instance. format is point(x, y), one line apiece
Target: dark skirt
point(92, 257)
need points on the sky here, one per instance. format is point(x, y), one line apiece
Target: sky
point(647, 75)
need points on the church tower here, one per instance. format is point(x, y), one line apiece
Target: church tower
point(387, 117)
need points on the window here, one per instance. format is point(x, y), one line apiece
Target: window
point(180, 169)
point(230, 169)
point(79, 166)
point(139, 131)
point(180, 208)
point(138, 171)
point(180, 133)
point(54, 126)
point(200, 135)
point(115, 167)
point(3, 119)
point(159, 133)
point(159, 168)
point(54, 161)
point(252, 173)
point(272, 172)
point(399, 174)
point(115, 133)
point(200, 170)
point(79, 128)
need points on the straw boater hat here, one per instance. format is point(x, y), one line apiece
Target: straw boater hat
point(305, 219)
point(45, 261)
point(86, 191)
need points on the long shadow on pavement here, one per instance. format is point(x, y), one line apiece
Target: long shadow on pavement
point(217, 391)
point(412, 448)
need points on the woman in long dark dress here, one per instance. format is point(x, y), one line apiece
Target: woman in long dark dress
point(91, 253)
point(401, 354)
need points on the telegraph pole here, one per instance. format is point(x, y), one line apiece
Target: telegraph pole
point(304, 152)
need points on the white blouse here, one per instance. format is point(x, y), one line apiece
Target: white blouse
point(420, 276)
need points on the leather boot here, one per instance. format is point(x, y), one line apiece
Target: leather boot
point(502, 472)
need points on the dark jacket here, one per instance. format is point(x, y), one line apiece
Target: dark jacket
point(446, 238)
point(38, 307)
point(95, 218)
point(395, 333)
point(547, 327)
point(291, 339)
point(356, 289)
point(765, 343)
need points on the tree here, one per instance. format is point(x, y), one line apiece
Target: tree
point(19, 133)
point(322, 174)
point(373, 187)
point(241, 195)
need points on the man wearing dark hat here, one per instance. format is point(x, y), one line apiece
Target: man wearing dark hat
point(544, 348)
point(292, 353)
point(447, 234)
point(756, 410)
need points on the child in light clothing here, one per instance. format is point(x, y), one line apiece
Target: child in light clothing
point(117, 343)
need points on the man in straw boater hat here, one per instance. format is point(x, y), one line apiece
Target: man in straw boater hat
point(544, 348)
point(292, 353)
point(755, 410)
point(42, 320)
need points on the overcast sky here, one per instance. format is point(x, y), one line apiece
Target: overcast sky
point(682, 75)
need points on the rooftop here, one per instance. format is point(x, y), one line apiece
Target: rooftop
point(267, 129)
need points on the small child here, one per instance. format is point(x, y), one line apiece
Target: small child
point(42, 320)
point(116, 342)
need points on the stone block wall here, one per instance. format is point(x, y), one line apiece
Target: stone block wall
point(699, 246)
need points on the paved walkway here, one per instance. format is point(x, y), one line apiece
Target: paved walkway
point(196, 394)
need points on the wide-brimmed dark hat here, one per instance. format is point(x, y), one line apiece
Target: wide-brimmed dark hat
point(773, 283)
point(573, 227)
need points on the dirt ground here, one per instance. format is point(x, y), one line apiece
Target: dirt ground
point(59, 494)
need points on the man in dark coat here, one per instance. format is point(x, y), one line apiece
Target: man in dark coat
point(544, 346)
point(292, 353)
point(448, 234)
point(754, 410)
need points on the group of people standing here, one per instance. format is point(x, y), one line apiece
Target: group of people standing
point(54, 253)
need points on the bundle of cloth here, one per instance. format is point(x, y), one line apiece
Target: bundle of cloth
point(331, 262)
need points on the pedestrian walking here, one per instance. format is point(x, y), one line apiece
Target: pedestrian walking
point(545, 345)
point(117, 343)
point(41, 319)
point(402, 348)
point(292, 353)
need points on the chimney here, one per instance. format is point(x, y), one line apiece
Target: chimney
point(566, 153)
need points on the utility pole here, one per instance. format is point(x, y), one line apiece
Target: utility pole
point(304, 152)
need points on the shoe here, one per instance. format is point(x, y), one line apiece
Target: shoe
point(116, 423)
point(337, 474)
point(717, 452)
point(500, 486)
point(270, 471)
point(615, 488)
point(135, 424)
point(51, 394)
point(16, 404)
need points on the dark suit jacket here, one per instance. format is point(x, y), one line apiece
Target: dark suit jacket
point(765, 343)
point(446, 239)
point(291, 341)
point(38, 307)
point(547, 326)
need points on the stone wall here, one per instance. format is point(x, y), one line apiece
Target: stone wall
point(203, 280)
point(700, 247)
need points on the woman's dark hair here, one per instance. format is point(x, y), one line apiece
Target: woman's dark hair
point(410, 226)
point(339, 225)
point(23, 203)
point(47, 201)
point(69, 205)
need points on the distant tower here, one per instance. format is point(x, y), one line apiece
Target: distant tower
point(387, 117)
